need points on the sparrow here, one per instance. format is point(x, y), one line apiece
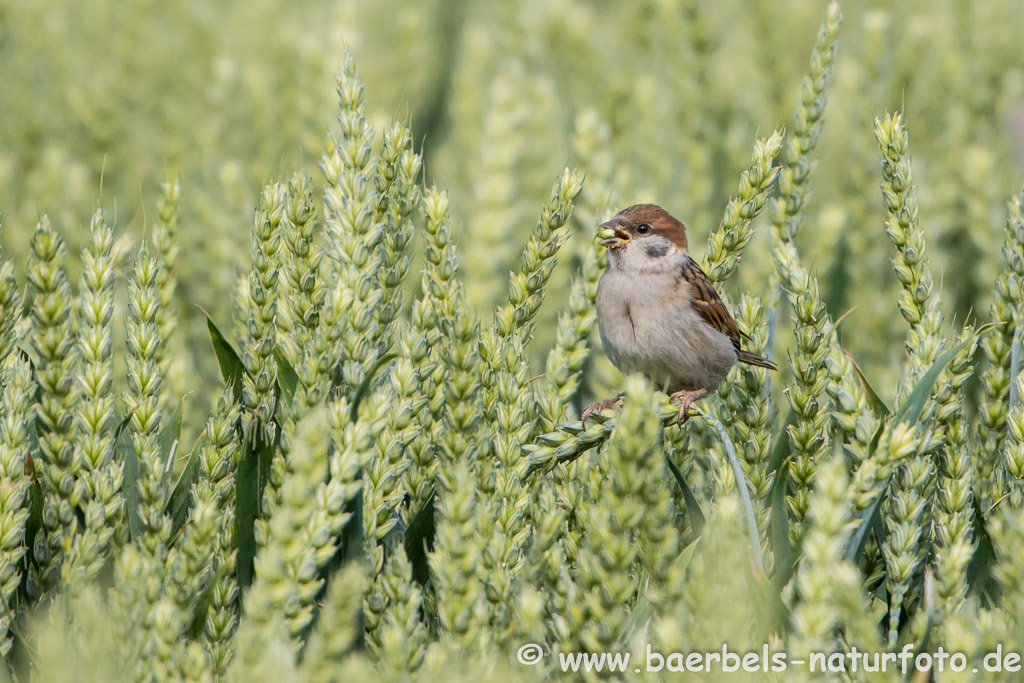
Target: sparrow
point(659, 314)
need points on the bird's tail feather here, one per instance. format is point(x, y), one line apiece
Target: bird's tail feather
point(754, 359)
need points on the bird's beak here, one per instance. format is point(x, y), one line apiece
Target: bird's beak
point(611, 235)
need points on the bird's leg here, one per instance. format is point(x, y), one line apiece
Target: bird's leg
point(599, 406)
point(686, 399)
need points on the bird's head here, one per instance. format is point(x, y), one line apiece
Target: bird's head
point(643, 236)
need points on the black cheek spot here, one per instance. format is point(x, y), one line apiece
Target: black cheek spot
point(656, 250)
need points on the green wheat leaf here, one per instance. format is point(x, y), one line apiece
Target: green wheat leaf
point(231, 368)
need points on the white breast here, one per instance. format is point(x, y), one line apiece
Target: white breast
point(647, 325)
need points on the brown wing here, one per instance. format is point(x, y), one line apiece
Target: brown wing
point(707, 302)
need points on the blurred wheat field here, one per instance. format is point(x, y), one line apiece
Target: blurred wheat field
point(103, 105)
point(296, 322)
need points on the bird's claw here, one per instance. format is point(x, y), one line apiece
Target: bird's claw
point(686, 399)
point(598, 407)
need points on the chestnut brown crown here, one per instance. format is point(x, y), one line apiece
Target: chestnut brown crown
point(658, 220)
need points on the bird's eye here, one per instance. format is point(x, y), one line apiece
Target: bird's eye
point(643, 228)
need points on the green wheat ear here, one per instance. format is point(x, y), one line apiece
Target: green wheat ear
point(142, 402)
point(814, 332)
point(166, 241)
point(261, 339)
point(102, 478)
point(17, 421)
point(1008, 337)
point(54, 358)
point(218, 465)
point(724, 247)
